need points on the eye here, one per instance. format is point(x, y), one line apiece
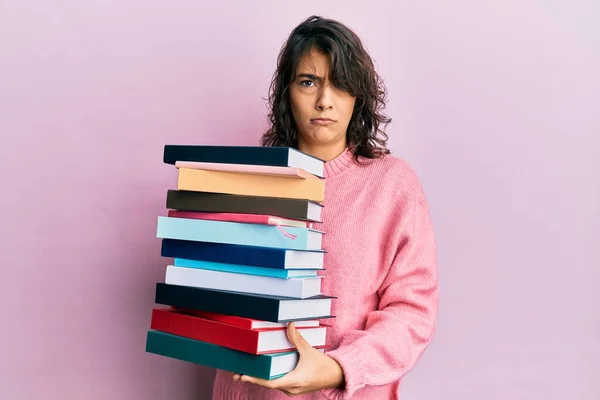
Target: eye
point(306, 83)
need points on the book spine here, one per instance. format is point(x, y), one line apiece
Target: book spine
point(216, 202)
point(232, 233)
point(207, 354)
point(243, 323)
point(224, 217)
point(225, 254)
point(237, 304)
point(196, 328)
point(250, 185)
point(226, 155)
point(234, 282)
point(233, 268)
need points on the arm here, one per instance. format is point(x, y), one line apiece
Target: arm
point(398, 332)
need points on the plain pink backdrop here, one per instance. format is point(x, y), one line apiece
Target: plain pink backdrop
point(495, 104)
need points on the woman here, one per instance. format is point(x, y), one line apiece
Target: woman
point(326, 100)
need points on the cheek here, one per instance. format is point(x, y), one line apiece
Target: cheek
point(297, 107)
point(349, 109)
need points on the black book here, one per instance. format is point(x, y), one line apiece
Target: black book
point(261, 307)
point(250, 155)
point(303, 209)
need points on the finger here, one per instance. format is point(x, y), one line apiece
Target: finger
point(295, 391)
point(257, 381)
point(236, 377)
point(287, 393)
point(284, 382)
point(296, 338)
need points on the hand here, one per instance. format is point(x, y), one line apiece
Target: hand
point(314, 371)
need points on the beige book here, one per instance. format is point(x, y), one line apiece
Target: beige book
point(249, 184)
point(291, 172)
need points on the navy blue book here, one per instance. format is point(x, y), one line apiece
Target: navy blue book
point(250, 155)
point(253, 256)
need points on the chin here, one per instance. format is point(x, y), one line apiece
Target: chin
point(323, 137)
point(321, 140)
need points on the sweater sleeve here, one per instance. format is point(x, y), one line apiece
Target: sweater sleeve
point(397, 333)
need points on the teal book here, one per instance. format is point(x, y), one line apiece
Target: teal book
point(239, 233)
point(246, 269)
point(264, 366)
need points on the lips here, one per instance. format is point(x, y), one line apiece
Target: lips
point(322, 120)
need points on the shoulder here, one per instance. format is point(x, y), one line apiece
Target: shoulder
point(395, 173)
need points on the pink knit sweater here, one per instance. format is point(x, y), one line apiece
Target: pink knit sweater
point(381, 263)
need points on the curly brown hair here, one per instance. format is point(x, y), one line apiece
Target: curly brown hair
point(352, 71)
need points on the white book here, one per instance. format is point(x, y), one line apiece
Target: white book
point(299, 288)
point(311, 323)
point(285, 362)
point(276, 340)
point(304, 259)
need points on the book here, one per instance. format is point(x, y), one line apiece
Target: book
point(251, 155)
point(249, 323)
point(238, 233)
point(263, 257)
point(261, 307)
point(227, 203)
point(291, 172)
point(246, 270)
point(236, 183)
point(265, 366)
point(300, 288)
point(238, 217)
point(259, 341)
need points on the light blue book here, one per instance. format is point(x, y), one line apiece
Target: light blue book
point(246, 269)
point(238, 233)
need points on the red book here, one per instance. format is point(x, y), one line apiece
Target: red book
point(249, 323)
point(244, 218)
point(257, 341)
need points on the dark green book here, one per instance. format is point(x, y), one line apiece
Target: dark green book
point(264, 366)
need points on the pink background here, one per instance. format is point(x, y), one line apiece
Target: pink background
point(495, 104)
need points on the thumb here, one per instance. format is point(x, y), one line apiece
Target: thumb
point(296, 338)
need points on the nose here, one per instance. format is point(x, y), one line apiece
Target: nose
point(325, 100)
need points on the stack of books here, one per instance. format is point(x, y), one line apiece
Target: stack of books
point(247, 259)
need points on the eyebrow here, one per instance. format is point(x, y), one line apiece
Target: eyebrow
point(310, 76)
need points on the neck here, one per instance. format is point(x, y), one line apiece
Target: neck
point(326, 152)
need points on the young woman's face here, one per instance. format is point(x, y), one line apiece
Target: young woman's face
point(321, 111)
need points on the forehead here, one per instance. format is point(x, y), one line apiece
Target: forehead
point(314, 62)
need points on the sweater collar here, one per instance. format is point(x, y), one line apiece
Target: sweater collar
point(339, 164)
